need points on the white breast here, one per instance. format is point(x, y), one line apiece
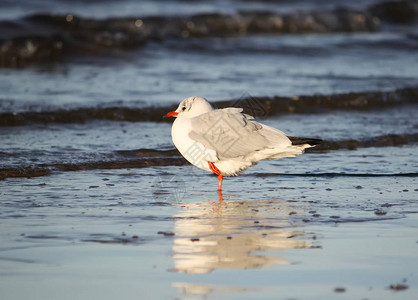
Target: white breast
point(194, 152)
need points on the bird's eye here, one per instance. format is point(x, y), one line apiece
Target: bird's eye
point(183, 108)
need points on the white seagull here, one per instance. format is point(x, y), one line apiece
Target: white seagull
point(227, 141)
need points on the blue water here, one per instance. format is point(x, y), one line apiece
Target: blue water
point(296, 228)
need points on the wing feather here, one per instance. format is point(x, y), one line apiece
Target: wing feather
point(231, 133)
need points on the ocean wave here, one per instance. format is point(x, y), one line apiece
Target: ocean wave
point(256, 106)
point(144, 158)
point(44, 38)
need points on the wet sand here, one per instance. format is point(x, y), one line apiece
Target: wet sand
point(150, 232)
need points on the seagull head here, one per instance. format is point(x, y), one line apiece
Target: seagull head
point(191, 107)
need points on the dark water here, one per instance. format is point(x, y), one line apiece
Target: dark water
point(87, 165)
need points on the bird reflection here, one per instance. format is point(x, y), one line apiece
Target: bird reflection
point(220, 196)
point(233, 235)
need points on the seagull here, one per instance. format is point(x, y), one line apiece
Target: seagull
point(227, 141)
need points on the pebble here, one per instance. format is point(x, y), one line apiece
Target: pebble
point(380, 212)
point(398, 287)
point(339, 290)
point(166, 233)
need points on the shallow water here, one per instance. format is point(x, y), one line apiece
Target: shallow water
point(101, 141)
point(95, 202)
point(101, 229)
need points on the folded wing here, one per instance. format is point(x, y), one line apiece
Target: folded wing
point(233, 134)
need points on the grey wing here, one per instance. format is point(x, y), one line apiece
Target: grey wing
point(233, 134)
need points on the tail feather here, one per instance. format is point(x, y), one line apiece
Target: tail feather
point(301, 141)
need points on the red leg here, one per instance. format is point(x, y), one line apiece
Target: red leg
point(215, 170)
point(220, 179)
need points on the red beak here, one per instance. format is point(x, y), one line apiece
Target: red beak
point(171, 114)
